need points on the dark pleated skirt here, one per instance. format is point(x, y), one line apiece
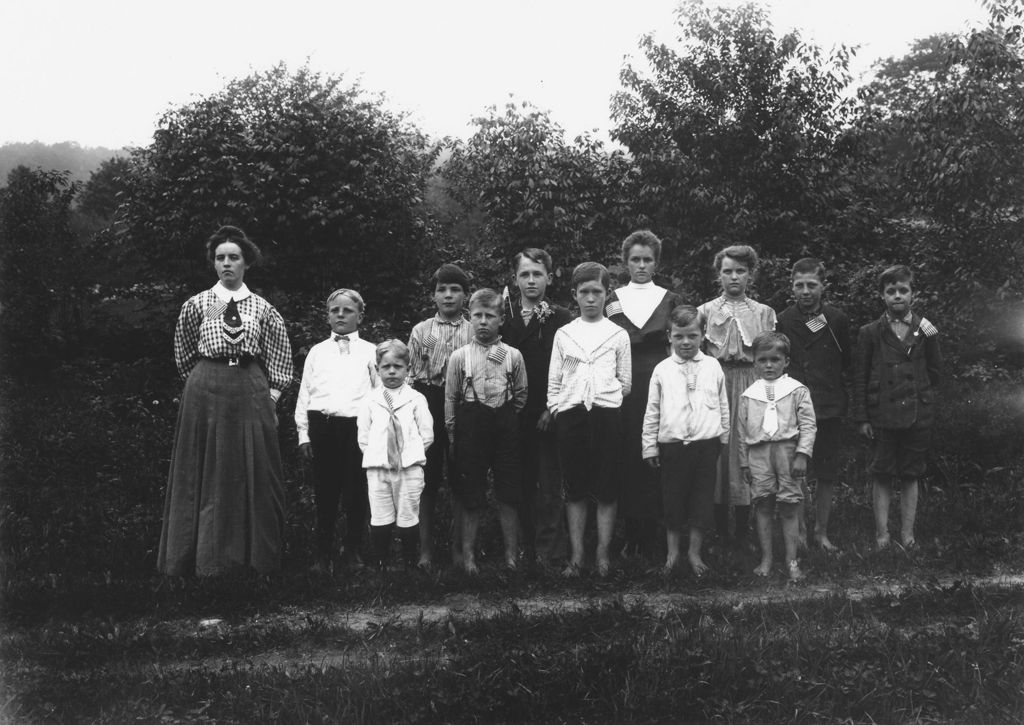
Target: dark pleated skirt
point(224, 509)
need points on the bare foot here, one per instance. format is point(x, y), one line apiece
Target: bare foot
point(511, 563)
point(795, 574)
point(604, 566)
point(425, 563)
point(571, 571)
point(764, 569)
point(698, 565)
point(909, 543)
point(882, 542)
point(470, 566)
point(825, 545)
point(457, 558)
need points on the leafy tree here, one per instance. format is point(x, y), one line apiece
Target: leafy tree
point(323, 177)
point(102, 193)
point(530, 186)
point(738, 135)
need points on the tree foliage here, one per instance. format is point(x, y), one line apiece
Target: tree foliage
point(322, 176)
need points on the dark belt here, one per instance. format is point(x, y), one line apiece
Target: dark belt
point(240, 361)
point(324, 416)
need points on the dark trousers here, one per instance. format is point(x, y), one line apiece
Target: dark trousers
point(437, 454)
point(487, 439)
point(338, 475)
point(542, 512)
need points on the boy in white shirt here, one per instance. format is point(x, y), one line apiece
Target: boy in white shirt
point(685, 426)
point(336, 380)
point(395, 431)
point(590, 373)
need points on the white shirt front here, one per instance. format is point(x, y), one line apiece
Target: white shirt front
point(335, 383)
point(591, 365)
point(639, 301)
point(677, 413)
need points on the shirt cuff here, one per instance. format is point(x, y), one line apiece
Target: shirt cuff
point(303, 437)
point(275, 395)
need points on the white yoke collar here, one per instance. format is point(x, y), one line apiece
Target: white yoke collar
point(225, 295)
point(783, 386)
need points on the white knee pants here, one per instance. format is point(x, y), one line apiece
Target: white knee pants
point(395, 495)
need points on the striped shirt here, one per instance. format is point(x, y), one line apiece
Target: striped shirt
point(431, 343)
point(489, 374)
point(588, 369)
point(200, 333)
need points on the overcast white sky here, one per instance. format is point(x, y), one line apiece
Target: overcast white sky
point(101, 72)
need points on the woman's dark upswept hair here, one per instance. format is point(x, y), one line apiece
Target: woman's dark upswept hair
point(228, 233)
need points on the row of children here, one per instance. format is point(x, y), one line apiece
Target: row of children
point(534, 397)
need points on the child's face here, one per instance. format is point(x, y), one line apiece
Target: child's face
point(449, 298)
point(590, 296)
point(685, 341)
point(807, 290)
point(898, 298)
point(641, 263)
point(734, 277)
point(392, 370)
point(343, 315)
point(770, 363)
point(486, 322)
point(532, 279)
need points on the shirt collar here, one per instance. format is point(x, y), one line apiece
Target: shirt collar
point(679, 361)
point(906, 320)
point(487, 346)
point(225, 295)
point(352, 336)
point(454, 323)
point(641, 285)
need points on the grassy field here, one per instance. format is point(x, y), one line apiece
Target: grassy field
point(91, 634)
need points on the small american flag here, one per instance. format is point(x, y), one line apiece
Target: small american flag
point(497, 354)
point(928, 328)
point(817, 324)
point(613, 308)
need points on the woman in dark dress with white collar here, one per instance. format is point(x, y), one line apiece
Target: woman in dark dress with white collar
point(642, 309)
point(224, 508)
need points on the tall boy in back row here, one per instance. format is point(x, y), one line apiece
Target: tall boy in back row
point(530, 326)
point(821, 357)
point(899, 368)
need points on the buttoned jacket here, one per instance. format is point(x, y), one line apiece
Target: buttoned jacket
point(820, 360)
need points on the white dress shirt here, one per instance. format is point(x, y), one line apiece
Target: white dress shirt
point(687, 402)
point(591, 365)
point(335, 383)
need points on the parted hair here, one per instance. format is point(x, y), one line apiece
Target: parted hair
point(645, 238)
point(345, 292)
point(534, 255)
point(397, 348)
point(895, 273)
point(227, 233)
point(771, 340)
point(741, 253)
point(488, 298)
point(684, 316)
point(590, 272)
point(809, 265)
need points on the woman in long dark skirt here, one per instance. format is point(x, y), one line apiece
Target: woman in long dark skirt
point(224, 509)
point(642, 308)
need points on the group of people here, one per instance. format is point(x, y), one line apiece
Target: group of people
point(673, 419)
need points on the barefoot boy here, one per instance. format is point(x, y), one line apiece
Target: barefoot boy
point(590, 373)
point(530, 327)
point(822, 357)
point(898, 369)
point(484, 392)
point(685, 426)
point(775, 426)
point(430, 345)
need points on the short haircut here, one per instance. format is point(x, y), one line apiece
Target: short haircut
point(684, 316)
point(397, 348)
point(808, 265)
point(644, 238)
point(534, 255)
point(227, 233)
point(488, 298)
point(741, 253)
point(771, 340)
point(896, 273)
point(590, 272)
point(451, 274)
point(345, 292)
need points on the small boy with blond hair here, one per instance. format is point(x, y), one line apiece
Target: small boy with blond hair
point(776, 428)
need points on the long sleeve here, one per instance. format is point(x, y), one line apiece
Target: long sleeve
point(555, 373)
point(302, 401)
point(723, 407)
point(652, 418)
point(424, 421)
point(416, 362)
point(453, 389)
point(933, 360)
point(861, 373)
point(186, 338)
point(845, 341)
point(520, 384)
point(806, 422)
point(624, 364)
point(742, 446)
point(363, 422)
point(277, 351)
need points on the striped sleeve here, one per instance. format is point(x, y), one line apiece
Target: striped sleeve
point(276, 350)
point(186, 338)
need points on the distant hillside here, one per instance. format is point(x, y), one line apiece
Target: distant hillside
point(65, 156)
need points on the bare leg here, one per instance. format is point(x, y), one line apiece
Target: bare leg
point(823, 510)
point(605, 528)
point(802, 513)
point(881, 497)
point(577, 515)
point(694, 554)
point(763, 508)
point(673, 542)
point(510, 533)
point(457, 527)
point(791, 537)
point(426, 529)
point(908, 512)
point(470, 526)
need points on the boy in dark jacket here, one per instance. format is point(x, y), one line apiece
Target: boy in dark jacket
point(899, 367)
point(820, 358)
